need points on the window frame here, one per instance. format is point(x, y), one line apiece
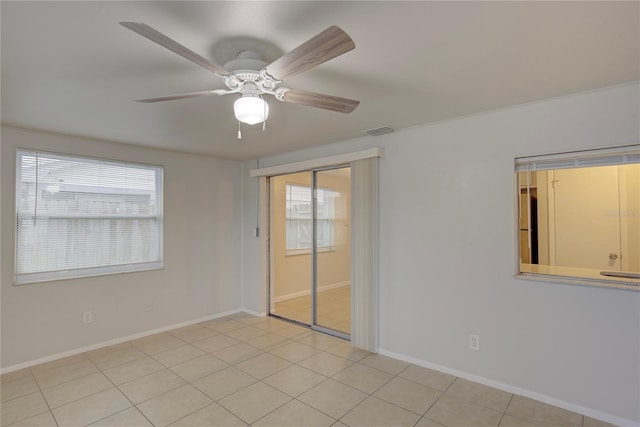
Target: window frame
point(331, 223)
point(568, 160)
point(84, 272)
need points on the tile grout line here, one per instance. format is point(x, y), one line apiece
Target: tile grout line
point(197, 410)
point(46, 402)
point(391, 379)
point(124, 363)
point(168, 368)
point(372, 394)
point(161, 394)
point(145, 354)
point(274, 373)
point(151, 355)
point(344, 384)
point(326, 378)
point(32, 415)
point(299, 401)
point(41, 391)
point(264, 351)
point(63, 382)
point(439, 397)
point(258, 380)
point(126, 397)
point(505, 410)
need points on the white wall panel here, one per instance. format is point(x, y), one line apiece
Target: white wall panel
point(448, 253)
point(201, 275)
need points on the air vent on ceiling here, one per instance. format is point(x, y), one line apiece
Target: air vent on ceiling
point(378, 131)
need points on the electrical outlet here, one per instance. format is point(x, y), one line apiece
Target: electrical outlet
point(474, 342)
point(87, 317)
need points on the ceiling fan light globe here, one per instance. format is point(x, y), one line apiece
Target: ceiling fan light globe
point(251, 110)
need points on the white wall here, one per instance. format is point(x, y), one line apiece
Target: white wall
point(201, 277)
point(447, 256)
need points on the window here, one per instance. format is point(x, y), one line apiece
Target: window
point(299, 218)
point(579, 216)
point(83, 217)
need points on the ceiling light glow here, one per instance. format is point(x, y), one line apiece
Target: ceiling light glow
point(251, 109)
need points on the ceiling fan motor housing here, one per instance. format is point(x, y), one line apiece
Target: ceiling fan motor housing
point(247, 75)
point(246, 65)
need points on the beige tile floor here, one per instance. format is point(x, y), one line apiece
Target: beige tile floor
point(243, 370)
point(334, 309)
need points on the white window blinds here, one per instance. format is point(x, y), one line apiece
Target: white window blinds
point(82, 216)
point(609, 157)
point(299, 217)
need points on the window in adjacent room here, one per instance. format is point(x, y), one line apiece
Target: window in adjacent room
point(78, 216)
point(299, 218)
point(579, 216)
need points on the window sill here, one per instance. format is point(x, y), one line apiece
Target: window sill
point(575, 276)
point(294, 252)
point(52, 276)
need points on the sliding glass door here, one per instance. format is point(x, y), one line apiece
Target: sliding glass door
point(290, 246)
point(332, 248)
point(310, 249)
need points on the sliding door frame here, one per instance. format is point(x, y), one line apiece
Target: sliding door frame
point(314, 255)
point(370, 341)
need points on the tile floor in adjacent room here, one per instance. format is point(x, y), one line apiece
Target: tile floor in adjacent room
point(333, 312)
point(243, 370)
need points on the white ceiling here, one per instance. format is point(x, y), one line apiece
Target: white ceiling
point(69, 67)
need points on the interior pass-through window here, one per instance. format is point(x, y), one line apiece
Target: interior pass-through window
point(579, 216)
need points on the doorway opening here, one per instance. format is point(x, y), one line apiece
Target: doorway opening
point(310, 249)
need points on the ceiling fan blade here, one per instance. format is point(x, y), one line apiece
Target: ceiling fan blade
point(155, 36)
point(183, 96)
point(327, 45)
point(317, 100)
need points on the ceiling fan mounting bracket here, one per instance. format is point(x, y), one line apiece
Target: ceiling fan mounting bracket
point(280, 92)
point(266, 77)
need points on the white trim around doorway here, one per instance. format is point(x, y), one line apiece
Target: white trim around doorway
point(317, 163)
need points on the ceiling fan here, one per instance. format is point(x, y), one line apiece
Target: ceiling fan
point(251, 77)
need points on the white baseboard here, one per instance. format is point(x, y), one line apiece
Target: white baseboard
point(613, 419)
point(73, 352)
point(254, 313)
point(308, 291)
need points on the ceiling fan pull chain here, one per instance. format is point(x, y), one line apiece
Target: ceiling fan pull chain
point(239, 133)
point(264, 124)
